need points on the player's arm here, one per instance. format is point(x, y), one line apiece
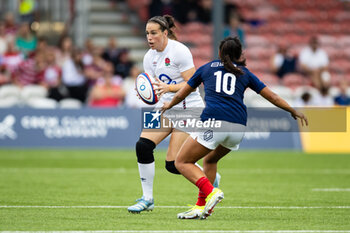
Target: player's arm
point(163, 88)
point(281, 103)
point(179, 96)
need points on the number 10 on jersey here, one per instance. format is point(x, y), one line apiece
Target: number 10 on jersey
point(228, 78)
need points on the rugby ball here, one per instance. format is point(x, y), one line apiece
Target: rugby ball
point(145, 89)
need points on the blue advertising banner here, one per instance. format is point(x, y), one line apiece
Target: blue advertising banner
point(89, 128)
point(120, 128)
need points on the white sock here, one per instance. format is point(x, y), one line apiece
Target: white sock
point(147, 176)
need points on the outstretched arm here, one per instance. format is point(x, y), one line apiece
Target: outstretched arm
point(179, 96)
point(281, 103)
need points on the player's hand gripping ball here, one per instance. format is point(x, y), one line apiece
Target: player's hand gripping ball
point(145, 89)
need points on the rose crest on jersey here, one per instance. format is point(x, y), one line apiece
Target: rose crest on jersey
point(167, 61)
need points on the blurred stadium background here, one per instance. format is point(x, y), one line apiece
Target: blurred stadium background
point(67, 71)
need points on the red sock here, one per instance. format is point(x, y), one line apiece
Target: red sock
point(201, 199)
point(204, 185)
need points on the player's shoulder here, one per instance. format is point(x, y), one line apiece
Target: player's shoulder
point(149, 53)
point(177, 45)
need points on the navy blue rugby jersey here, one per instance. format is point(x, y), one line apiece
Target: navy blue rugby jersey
point(224, 91)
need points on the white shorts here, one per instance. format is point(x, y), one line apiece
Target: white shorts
point(229, 135)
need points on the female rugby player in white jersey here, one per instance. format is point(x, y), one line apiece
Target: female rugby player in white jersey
point(171, 63)
point(225, 81)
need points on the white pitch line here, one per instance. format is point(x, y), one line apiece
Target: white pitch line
point(332, 190)
point(177, 207)
point(191, 231)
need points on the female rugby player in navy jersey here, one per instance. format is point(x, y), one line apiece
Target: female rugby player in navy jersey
point(225, 81)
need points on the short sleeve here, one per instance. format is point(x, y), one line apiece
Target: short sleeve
point(196, 79)
point(147, 66)
point(184, 59)
point(255, 84)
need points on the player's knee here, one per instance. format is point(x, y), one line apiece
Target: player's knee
point(144, 150)
point(179, 165)
point(170, 166)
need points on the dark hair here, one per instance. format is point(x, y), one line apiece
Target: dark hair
point(230, 50)
point(166, 22)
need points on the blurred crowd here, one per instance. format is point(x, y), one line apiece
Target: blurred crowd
point(96, 76)
point(312, 63)
point(104, 76)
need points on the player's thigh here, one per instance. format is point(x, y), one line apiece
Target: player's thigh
point(177, 139)
point(157, 136)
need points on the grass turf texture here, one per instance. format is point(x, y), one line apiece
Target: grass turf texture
point(110, 178)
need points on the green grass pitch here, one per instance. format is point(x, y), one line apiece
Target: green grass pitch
point(264, 190)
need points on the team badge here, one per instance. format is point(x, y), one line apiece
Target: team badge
point(167, 61)
point(208, 135)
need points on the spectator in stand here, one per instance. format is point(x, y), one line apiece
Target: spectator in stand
point(73, 76)
point(10, 25)
point(52, 77)
point(343, 98)
point(314, 63)
point(96, 68)
point(108, 91)
point(26, 41)
point(4, 38)
point(124, 64)
point(131, 99)
point(88, 53)
point(30, 71)
point(112, 51)
point(234, 28)
point(12, 58)
point(304, 100)
point(4, 76)
point(42, 46)
point(65, 50)
point(283, 62)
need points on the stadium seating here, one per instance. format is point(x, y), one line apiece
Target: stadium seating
point(33, 91)
point(9, 91)
point(70, 103)
point(42, 103)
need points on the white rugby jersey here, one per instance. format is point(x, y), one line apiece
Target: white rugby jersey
point(168, 65)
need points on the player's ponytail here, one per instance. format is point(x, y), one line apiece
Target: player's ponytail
point(230, 51)
point(171, 26)
point(165, 22)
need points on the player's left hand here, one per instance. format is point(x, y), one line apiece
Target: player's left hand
point(160, 87)
point(302, 118)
